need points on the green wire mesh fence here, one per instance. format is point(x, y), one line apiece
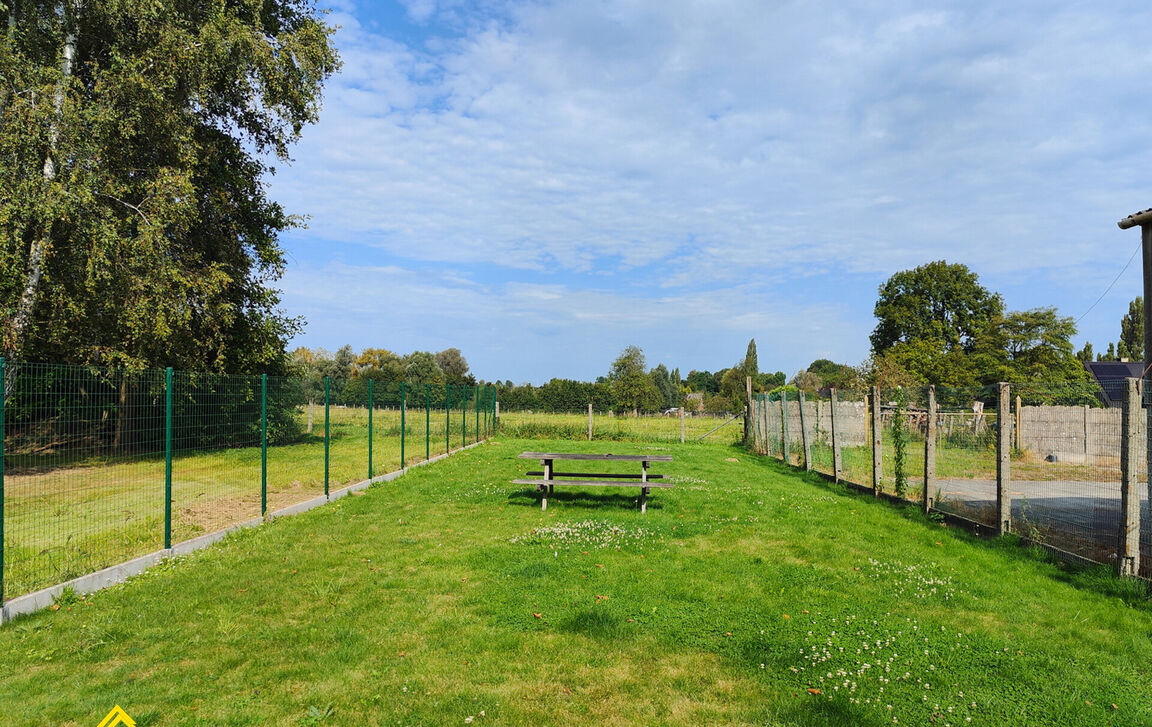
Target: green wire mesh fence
point(1062, 464)
point(99, 465)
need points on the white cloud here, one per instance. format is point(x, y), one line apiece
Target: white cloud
point(669, 145)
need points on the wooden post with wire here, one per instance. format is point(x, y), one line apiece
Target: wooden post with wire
point(1144, 220)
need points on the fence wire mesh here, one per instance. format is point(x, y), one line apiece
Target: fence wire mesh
point(1065, 446)
point(86, 453)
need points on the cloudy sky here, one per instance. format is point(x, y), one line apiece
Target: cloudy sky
point(543, 183)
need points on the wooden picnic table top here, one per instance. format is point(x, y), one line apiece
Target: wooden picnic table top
point(598, 457)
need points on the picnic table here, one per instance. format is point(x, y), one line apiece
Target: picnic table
point(547, 480)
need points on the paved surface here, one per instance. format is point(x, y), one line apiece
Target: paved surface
point(1081, 516)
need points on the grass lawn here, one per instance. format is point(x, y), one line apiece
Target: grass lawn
point(746, 595)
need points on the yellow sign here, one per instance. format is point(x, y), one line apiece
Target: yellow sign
point(117, 717)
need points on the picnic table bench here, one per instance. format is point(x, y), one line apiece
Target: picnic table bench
point(546, 480)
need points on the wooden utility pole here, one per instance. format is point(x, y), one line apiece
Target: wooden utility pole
point(1144, 220)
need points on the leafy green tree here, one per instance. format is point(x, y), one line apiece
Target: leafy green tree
point(1040, 347)
point(135, 142)
point(420, 368)
point(937, 301)
point(701, 381)
point(1132, 331)
point(1085, 354)
point(771, 381)
point(831, 374)
point(453, 364)
point(668, 389)
point(1109, 355)
point(632, 387)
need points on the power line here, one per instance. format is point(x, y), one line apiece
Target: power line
point(1111, 284)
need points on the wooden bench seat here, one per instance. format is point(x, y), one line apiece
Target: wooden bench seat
point(592, 483)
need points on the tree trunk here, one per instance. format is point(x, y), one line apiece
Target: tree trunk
point(69, 12)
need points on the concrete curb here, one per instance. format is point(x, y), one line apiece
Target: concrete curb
point(45, 597)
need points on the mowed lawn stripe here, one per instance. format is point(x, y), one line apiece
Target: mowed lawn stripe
point(746, 595)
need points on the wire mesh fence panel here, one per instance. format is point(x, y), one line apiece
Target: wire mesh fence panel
point(966, 452)
point(84, 485)
point(296, 430)
point(1065, 467)
point(216, 429)
point(903, 418)
point(820, 414)
point(854, 436)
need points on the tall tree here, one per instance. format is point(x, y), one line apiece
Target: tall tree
point(937, 301)
point(1085, 354)
point(1040, 347)
point(632, 387)
point(453, 364)
point(134, 137)
point(1132, 330)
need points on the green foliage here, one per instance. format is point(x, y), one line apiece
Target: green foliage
point(134, 213)
point(937, 301)
point(631, 385)
point(454, 366)
point(1085, 354)
point(900, 442)
point(701, 381)
point(668, 389)
point(752, 363)
point(1039, 347)
point(1132, 331)
point(938, 325)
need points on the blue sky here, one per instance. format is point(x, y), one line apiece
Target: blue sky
point(542, 184)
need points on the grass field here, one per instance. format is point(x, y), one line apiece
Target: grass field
point(647, 428)
point(747, 594)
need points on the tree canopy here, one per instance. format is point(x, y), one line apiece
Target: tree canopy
point(937, 301)
point(134, 137)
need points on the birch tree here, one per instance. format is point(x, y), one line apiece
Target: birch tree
point(135, 142)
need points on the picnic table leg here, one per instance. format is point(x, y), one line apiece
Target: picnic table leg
point(546, 488)
point(643, 490)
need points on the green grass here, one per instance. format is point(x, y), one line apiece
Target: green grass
point(644, 428)
point(448, 594)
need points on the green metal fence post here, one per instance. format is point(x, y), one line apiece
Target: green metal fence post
point(370, 407)
point(477, 395)
point(464, 416)
point(427, 421)
point(447, 418)
point(3, 396)
point(264, 445)
point(402, 412)
point(327, 432)
point(168, 457)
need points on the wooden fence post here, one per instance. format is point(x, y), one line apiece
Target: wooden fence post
point(589, 421)
point(1003, 461)
point(930, 452)
point(804, 440)
point(681, 425)
point(877, 447)
point(1128, 545)
point(837, 469)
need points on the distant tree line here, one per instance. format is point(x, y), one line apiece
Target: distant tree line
point(348, 373)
